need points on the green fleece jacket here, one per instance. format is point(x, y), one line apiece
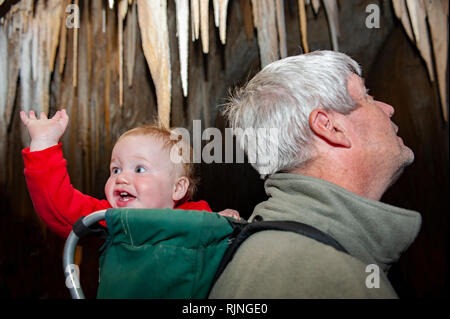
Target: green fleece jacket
point(275, 264)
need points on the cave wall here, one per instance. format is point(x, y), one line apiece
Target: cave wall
point(30, 255)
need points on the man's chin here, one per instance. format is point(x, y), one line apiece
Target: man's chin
point(409, 156)
point(406, 160)
point(406, 153)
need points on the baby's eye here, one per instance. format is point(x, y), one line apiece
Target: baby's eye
point(140, 169)
point(115, 170)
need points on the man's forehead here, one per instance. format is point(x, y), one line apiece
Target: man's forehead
point(356, 86)
point(355, 78)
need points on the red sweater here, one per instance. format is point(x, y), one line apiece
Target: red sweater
point(54, 198)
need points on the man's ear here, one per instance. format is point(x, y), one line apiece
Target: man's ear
point(180, 188)
point(325, 125)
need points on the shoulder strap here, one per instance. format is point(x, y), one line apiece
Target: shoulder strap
point(295, 227)
point(243, 232)
point(82, 231)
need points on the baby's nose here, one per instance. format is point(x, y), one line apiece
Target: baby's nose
point(122, 178)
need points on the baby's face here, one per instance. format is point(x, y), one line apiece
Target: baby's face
point(142, 174)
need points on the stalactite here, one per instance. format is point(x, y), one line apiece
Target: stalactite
point(25, 78)
point(3, 73)
point(14, 34)
point(223, 9)
point(35, 49)
point(25, 69)
point(54, 11)
point(35, 29)
point(437, 12)
point(63, 40)
point(37, 65)
point(303, 25)
point(414, 16)
point(412, 7)
point(103, 20)
point(131, 32)
point(220, 18)
point(216, 7)
point(316, 5)
point(281, 27)
point(195, 18)
point(20, 28)
point(75, 53)
point(265, 22)
point(417, 14)
point(204, 25)
point(43, 30)
point(152, 17)
point(331, 10)
point(182, 11)
point(121, 14)
point(402, 14)
point(3, 101)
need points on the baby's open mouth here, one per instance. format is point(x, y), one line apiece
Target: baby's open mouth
point(124, 196)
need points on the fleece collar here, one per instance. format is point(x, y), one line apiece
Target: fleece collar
point(369, 230)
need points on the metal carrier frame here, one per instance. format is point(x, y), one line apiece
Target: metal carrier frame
point(72, 278)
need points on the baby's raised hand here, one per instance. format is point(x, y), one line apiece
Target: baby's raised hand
point(44, 132)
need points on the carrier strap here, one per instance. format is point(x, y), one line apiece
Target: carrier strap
point(82, 231)
point(246, 230)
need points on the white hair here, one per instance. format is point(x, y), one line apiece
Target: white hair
point(282, 96)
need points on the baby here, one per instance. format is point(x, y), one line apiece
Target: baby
point(142, 174)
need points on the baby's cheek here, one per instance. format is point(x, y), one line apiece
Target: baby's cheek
point(108, 190)
point(155, 192)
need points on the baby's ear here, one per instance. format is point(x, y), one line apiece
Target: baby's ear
point(180, 188)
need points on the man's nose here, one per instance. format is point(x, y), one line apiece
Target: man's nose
point(388, 109)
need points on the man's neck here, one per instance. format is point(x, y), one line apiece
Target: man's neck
point(354, 180)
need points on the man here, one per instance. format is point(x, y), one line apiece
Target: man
point(336, 153)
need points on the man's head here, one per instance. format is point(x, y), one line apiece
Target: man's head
point(324, 116)
point(373, 134)
point(284, 94)
point(142, 173)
